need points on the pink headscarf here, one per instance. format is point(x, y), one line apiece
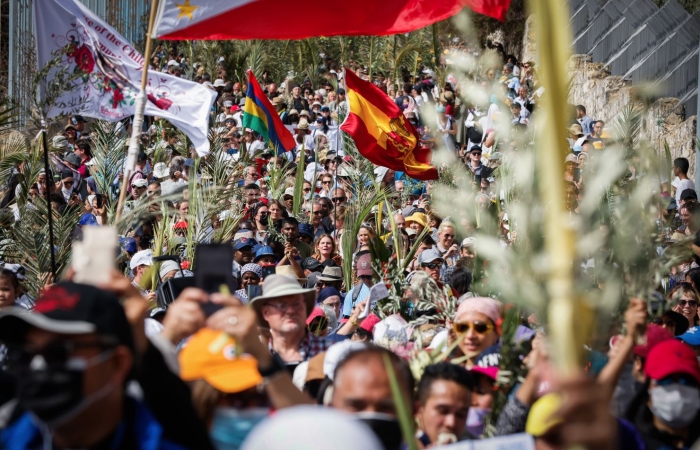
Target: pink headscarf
point(487, 306)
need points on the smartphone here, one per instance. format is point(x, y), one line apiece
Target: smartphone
point(267, 270)
point(214, 263)
point(254, 290)
point(577, 174)
point(93, 257)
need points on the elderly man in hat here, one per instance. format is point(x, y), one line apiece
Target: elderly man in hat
point(283, 308)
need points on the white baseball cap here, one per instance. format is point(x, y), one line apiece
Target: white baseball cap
point(161, 170)
point(219, 83)
point(172, 62)
point(142, 258)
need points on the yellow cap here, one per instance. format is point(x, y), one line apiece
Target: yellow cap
point(222, 369)
point(542, 415)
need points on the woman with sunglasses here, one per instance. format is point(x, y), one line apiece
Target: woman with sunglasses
point(475, 326)
point(685, 299)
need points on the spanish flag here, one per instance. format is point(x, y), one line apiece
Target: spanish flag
point(260, 116)
point(382, 133)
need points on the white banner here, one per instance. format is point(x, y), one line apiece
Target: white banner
point(92, 70)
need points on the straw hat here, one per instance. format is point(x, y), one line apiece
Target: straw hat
point(277, 286)
point(287, 270)
point(575, 130)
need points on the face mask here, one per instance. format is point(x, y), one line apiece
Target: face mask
point(577, 148)
point(263, 219)
point(385, 427)
point(66, 192)
point(476, 419)
point(55, 394)
point(231, 426)
point(675, 405)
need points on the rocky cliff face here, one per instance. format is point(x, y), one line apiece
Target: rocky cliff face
point(605, 97)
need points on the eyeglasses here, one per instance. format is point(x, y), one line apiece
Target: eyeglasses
point(683, 380)
point(307, 190)
point(431, 266)
point(68, 183)
point(327, 182)
point(664, 323)
point(691, 303)
point(318, 213)
point(478, 327)
point(339, 199)
point(283, 306)
point(449, 235)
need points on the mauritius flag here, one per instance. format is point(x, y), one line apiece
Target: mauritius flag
point(260, 116)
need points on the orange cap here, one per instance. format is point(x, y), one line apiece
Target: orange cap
point(222, 369)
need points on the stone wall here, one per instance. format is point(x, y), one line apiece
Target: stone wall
point(606, 96)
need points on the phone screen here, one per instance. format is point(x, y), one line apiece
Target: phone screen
point(254, 290)
point(214, 263)
point(577, 174)
point(267, 270)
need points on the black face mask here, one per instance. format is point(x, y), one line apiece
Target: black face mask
point(51, 393)
point(54, 394)
point(385, 427)
point(263, 219)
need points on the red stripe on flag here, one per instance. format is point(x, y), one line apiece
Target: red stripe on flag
point(280, 19)
point(368, 147)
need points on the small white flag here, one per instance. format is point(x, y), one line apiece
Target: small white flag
point(90, 69)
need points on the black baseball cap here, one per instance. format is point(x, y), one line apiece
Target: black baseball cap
point(310, 263)
point(76, 119)
point(688, 194)
point(70, 308)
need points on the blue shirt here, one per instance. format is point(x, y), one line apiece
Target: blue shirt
point(348, 304)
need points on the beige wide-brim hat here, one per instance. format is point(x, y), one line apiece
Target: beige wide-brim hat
point(278, 286)
point(287, 270)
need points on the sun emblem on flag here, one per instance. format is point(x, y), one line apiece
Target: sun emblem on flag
point(186, 9)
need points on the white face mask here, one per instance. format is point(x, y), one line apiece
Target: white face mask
point(675, 405)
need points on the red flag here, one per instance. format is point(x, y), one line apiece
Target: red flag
point(382, 133)
point(282, 19)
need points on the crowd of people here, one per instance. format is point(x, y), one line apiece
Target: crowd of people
point(296, 354)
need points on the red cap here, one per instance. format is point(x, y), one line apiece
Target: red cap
point(182, 225)
point(234, 108)
point(317, 312)
point(655, 335)
point(671, 357)
point(491, 372)
point(369, 322)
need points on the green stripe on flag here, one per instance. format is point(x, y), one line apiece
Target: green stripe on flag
point(255, 124)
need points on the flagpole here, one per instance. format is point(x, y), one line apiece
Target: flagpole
point(47, 169)
point(137, 124)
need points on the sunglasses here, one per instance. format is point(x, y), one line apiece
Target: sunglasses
point(477, 326)
point(431, 266)
point(339, 199)
point(318, 213)
point(667, 323)
point(133, 186)
point(449, 235)
point(307, 190)
point(327, 182)
point(691, 303)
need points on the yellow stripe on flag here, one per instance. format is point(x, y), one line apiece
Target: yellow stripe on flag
point(375, 120)
point(254, 110)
